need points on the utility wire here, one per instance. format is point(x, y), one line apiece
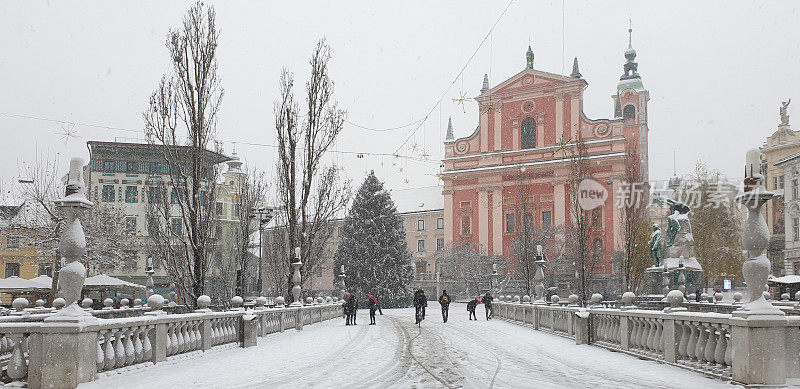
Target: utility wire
point(456, 78)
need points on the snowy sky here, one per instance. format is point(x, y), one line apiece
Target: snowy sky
point(716, 71)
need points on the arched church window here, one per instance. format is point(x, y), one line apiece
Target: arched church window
point(528, 134)
point(629, 112)
point(597, 249)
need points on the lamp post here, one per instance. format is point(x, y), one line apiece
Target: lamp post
point(150, 283)
point(297, 289)
point(265, 214)
point(539, 275)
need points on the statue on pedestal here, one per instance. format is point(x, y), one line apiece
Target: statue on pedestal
point(656, 249)
point(785, 113)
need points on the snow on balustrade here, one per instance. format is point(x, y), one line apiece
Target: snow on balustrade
point(702, 340)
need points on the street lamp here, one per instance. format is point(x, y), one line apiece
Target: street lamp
point(265, 214)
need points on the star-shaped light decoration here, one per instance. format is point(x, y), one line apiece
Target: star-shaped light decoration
point(461, 99)
point(425, 154)
point(68, 132)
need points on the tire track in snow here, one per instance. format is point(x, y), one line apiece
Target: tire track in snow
point(394, 370)
point(497, 359)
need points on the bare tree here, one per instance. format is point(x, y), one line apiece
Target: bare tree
point(310, 193)
point(634, 221)
point(181, 120)
point(578, 232)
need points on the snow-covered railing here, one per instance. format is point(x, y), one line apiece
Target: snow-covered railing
point(106, 345)
point(699, 341)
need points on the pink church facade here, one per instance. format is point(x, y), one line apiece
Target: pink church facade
point(527, 125)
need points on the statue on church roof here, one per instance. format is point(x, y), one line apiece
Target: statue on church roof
point(529, 58)
point(785, 113)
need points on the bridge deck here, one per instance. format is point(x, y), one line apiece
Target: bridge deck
point(396, 353)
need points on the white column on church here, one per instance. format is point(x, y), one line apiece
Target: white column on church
point(497, 221)
point(483, 220)
point(574, 115)
point(497, 129)
point(449, 216)
point(484, 131)
point(559, 118)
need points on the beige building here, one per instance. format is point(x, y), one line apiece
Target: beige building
point(127, 175)
point(791, 253)
point(782, 144)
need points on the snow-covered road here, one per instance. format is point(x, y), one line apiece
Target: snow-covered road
point(396, 353)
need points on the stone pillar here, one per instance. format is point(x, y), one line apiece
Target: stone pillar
point(559, 117)
point(582, 327)
point(64, 354)
point(498, 139)
point(624, 333)
point(574, 115)
point(669, 337)
point(756, 357)
point(484, 130)
point(298, 322)
point(792, 351)
point(249, 333)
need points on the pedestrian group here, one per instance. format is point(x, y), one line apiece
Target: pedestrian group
point(350, 307)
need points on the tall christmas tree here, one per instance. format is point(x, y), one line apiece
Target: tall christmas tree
point(373, 247)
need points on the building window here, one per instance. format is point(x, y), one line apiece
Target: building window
point(109, 166)
point(12, 269)
point(131, 194)
point(129, 260)
point(781, 181)
point(794, 189)
point(597, 249)
point(339, 232)
point(218, 232)
point(547, 219)
point(130, 225)
point(510, 223)
point(775, 183)
point(440, 244)
point(219, 209)
point(421, 267)
point(173, 197)
point(175, 224)
point(108, 193)
point(528, 133)
point(440, 223)
point(420, 225)
point(12, 242)
point(796, 229)
point(131, 167)
point(46, 269)
point(629, 112)
point(466, 225)
point(154, 194)
point(421, 246)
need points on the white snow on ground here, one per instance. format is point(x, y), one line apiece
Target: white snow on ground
point(396, 353)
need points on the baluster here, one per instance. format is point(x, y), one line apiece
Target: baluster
point(4, 344)
point(658, 343)
point(173, 339)
point(179, 330)
point(100, 353)
point(108, 358)
point(169, 339)
point(147, 348)
point(686, 334)
point(643, 335)
point(691, 348)
point(637, 330)
point(711, 344)
point(195, 329)
point(651, 334)
point(719, 351)
point(618, 330)
point(17, 367)
point(632, 332)
point(130, 353)
point(137, 345)
point(119, 349)
point(700, 348)
point(189, 336)
point(728, 347)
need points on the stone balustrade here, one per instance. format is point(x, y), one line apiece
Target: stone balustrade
point(106, 346)
point(699, 341)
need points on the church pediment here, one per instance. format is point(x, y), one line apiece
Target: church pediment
point(527, 79)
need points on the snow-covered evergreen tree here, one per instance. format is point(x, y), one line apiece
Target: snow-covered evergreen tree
point(373, 247)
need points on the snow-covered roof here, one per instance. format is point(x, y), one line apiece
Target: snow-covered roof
point(688, 263)
point(104, 281)
point(423, 199)
point(15, 284)
point(790, 279)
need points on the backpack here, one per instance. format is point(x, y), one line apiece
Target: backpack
point(446, 299)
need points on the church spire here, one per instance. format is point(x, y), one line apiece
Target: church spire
point(630, 68)
point(485, 86)
point(575, 72)
point(449, 136)
point(529, 58)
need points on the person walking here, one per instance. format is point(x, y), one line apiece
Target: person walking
point(354, 309)
point(487, 303)
point(420, 302)
point(444, 301)
point(471, 308)
point(346, 310)
point(373, 305)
